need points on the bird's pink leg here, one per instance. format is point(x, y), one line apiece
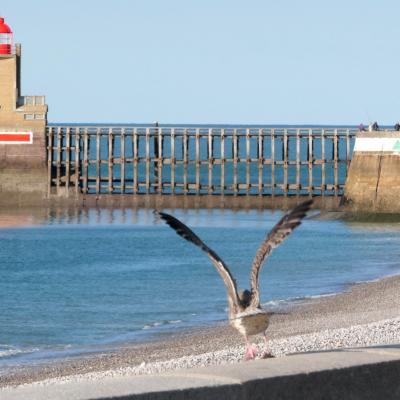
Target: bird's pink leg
point(251, 351)
point(267, 353)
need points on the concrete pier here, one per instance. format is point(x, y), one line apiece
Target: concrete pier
point(373, 181)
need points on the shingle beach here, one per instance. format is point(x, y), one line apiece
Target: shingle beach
point(364, 315)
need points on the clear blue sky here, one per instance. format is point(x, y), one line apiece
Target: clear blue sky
point(211, 61)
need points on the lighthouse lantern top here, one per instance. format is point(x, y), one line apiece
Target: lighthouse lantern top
point(6, 38)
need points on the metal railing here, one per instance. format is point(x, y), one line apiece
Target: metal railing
point(199, 160)
point(31, 101)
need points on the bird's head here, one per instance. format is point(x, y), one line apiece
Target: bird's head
point(245, 297)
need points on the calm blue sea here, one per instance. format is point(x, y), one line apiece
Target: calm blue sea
point(95, 279)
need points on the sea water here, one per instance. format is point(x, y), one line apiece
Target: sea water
point(95, 279)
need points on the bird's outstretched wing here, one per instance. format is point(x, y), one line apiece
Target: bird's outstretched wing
point(182, 230)
point(276, 236)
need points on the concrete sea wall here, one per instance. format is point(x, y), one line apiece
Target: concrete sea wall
point(373, 182)
point(357, 374)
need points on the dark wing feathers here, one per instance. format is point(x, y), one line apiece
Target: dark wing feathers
point(183, 231)
point(277, 235)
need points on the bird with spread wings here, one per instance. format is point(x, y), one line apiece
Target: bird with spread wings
point(245, 312)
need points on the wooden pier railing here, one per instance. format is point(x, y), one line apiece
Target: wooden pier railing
point(199, 160)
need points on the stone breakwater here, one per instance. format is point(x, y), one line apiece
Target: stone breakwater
point(383, 332)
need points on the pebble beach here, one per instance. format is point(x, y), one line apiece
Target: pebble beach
point(366, 314)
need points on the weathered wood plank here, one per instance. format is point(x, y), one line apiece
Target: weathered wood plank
point(67, 160)
point(210, 160)
point(235, 151)
point(122, 160)
point(260, 161)
point(110, 161)
point(197, 160)
point(298, 158)
point(323, 170)
point(248, 161)
point(58, 159)
point(335, 162)
point(158, 150)
point(98, 172)
point(285, 162)
point(135, 161)
point(310, 162)
point(173, 160)
point(148, 160)
point(185, 161)
point(49, 160)
point(85, 161)
point(273, 184)
point(77, 160)
point(348, 155)
point(222, 151)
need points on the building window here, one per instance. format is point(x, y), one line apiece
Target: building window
point(39, 116)
point(29, 116)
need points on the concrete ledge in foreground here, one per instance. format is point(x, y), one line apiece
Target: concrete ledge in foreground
point(367, 373)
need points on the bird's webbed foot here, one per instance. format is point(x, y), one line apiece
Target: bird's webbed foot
point(251, 352)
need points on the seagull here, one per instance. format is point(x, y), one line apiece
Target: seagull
point(245, 312)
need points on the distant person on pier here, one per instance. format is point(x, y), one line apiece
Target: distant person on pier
point(397, 127)
point(375, 126)
point(361, 128)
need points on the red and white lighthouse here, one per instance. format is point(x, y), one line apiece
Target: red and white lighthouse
point(20, 116)
point(6, 38)
point(23, 121)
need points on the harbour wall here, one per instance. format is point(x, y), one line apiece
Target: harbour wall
point(23, 120)
point(373, 182)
